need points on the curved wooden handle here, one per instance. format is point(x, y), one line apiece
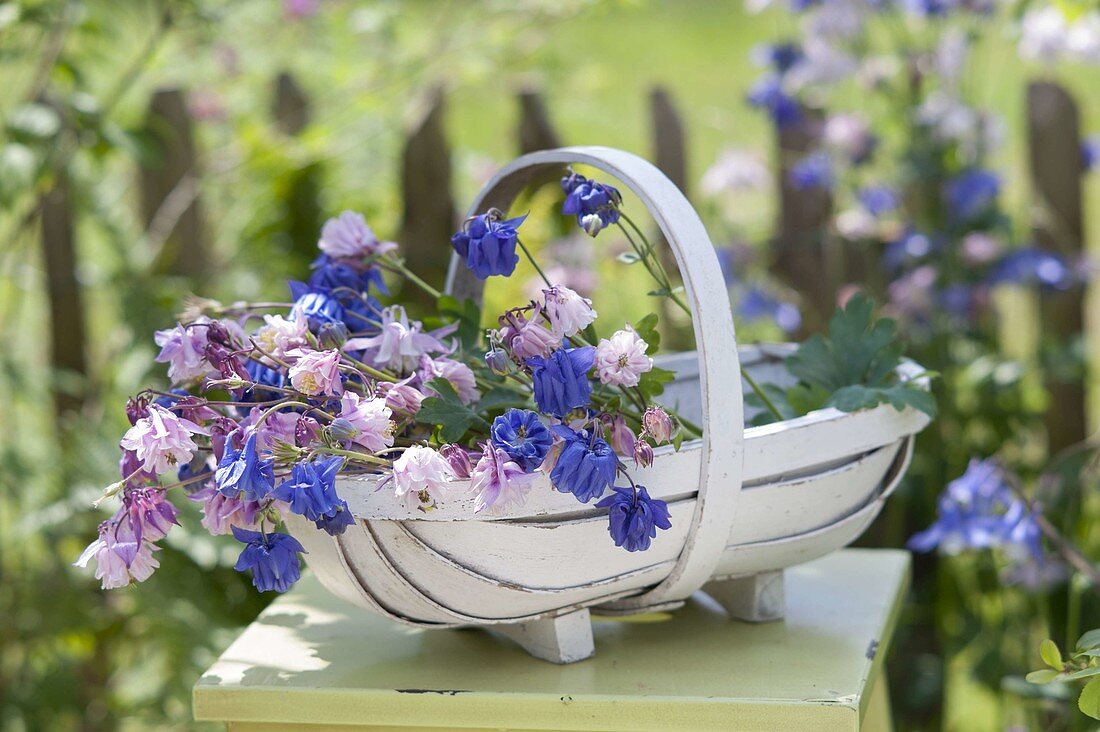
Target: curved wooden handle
point(720, 378)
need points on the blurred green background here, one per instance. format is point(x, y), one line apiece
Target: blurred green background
point(78, 78)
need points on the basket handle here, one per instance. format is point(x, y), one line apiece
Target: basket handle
point(720, 469)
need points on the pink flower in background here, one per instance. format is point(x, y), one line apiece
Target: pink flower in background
point(205, 105)
point(400, 344)
point(119, 559)
point(162, 441)
point(316, 372)
point(497, 481)
point(526, 338)
point(569, 313)
point(280, 334)
point(298, 9)
point(183, 348)
point(371, 418)
point(348, 236)
point(459, 374)
point(421, 476)
point(220, 512)
point(400, 397)
point(621, 360)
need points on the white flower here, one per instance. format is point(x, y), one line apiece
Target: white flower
point(421, 476)
point(569, 313)
point(280, 334)
point(1043, 34)
point(735, 170)
point(1083, 39)
point(621, 359)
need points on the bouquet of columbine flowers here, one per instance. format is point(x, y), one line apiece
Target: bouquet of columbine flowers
point(268, 409)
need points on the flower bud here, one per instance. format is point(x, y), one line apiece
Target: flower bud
point(592, 224)
point(306, 431)
point(459, 460)
point(621, 437)
point(136, 409)
point(400, 398)
point(657, 424)
point(498, 362)
point(332, 335)
point(342, 430)
point(643, 454)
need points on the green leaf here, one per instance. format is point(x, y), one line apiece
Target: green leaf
point(1048, 651)
point(899, 396)
point(777, 396)
point(1082, 674)
point(466, 314)
point(446, 411)
point(501, 397)
point(1091, 639)
point(653, 381)
point(646, 328)
point(1043, 676)
point(805, 398)
point(1089, 701)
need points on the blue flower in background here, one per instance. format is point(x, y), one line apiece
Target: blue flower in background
point(561, 380)
point(1090, 152)
point(317, 307)
point(911, 246)
point(488, 244)
point(587, 464)
point(1031, 266)
point(242, 473)
point(311, 493)
point(758, 304)
point(971, 194)
point(634, 517)
point(341, 279)
point(878, 200)
point(272, 559)
point(813, 171)
point(780, 56)
point(523, 437)
point(976, 511)
point(768, 94)
point(596, 205)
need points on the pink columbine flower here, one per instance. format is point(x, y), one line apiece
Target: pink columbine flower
point(162, 441)
point(220, 512)
point(400, 397)
point(277, 427)
point(400, 344)
point(621, 437)
point(621, 359)
point(421, 476)
point(526, 338)
point(147, 513)
point(459, 374)
point(280, 334)
point(498, 482)
point(316, 372)
point(657, 424)
point(348, 236)
point(119, 559)
point(569, 313)
point(183, 348)
point(371, 418)
point(459, 459)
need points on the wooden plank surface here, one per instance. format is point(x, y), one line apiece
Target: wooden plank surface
point(311, 659)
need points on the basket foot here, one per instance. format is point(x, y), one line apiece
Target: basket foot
point(756, 599)
point(561, 638)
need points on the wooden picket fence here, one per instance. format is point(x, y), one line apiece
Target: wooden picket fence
point(169, 193)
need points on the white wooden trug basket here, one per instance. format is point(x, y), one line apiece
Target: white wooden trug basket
point(745, 503)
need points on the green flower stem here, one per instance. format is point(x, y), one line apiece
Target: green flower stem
point(360, 456)
point(399, 266)
point(760, 393)
point(531, 259)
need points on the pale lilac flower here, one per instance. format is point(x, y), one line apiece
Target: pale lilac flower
point(421, 476)
point(569, 313)
point(400, 397)
point(183, 348)
point(856, 223)
point(147, 514)
point(1043, 32)
point(371, 419)
point(497, 481)
point(821, 64)
point(850, 135)
point(316, 372)
point(278, 427)
point(950, 55)
point(220, 512)
point(459, 459)
point(280, 334)
point(459, 374)
point(527, 337)
point(298, 9)
point(643, 454)
point(657, 424)
point(735, 170)
point(621, 359)
point(348, 236)
point(1083, 39)
point(119, 559)
point(400, 342)
point(979, 247)
point(162, 441)
point(621, 437)
point(840, 20)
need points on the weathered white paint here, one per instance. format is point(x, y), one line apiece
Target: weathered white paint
point(745, 503)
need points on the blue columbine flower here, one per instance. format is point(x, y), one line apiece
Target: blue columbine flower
point(561, 380)
point(311, 492)
point(757, 304)
point(318, 307)
point(634, 517)
point(813, 171)
point(243, 473)
point(488, 244)
point(262, 376)
point(586, 466)
point(975, 511)
point(768, 94)
point(1090, 152)
point(272, 559)
point(878, 200)
point(1031, 266)
point(522, 435)
point(971, 194)
point(596, 205)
